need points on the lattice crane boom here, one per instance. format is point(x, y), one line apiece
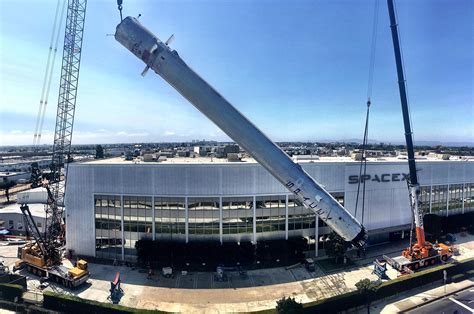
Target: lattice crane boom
point(50, 244)
point(69, 81)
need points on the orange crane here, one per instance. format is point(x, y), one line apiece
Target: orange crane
point(421, 253)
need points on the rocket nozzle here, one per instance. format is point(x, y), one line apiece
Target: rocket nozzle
point(359, 240)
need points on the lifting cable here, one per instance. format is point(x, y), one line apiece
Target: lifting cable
point(51, 71)
point(48, 73)
point(363, 161)
point(119, 5)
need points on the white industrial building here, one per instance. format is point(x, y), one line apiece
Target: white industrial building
point(13, 164)
point(112, 203)
point(11, 218)
point(18, 170)
point(19, 177)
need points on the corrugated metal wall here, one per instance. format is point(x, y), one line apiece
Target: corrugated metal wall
point(386, 202)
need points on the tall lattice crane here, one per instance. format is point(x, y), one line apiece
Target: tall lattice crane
point(42, 256)
point(69, 81)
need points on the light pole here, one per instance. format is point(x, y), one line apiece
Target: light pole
point(445, 278)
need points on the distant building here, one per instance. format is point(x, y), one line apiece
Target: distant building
point(202, 151)
point(167, 154)
point(11, 218)
point(183, 153)
point(148, 157)
point(231, 149)
point(234, 157)
point(23, 165)
point(17, 177)
point(194, 199)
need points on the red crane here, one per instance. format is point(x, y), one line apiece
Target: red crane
point(421, 253)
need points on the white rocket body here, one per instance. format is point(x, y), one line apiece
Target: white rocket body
point(167, 63)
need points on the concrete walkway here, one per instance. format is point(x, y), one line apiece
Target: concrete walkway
point(199, 292)
point(262, 296)
point(141, 295)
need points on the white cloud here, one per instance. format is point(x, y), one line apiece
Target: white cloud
point(19, 137)
point(138, 134)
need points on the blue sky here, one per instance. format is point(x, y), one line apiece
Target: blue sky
point(298, 70)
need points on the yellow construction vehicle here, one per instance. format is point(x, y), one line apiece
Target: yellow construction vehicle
point(64, 272)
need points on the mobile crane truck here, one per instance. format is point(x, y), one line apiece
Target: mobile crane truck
point(421, 253)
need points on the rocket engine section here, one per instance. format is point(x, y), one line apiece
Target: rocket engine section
point(167, 63)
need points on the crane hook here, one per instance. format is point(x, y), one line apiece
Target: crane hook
point(119, 4)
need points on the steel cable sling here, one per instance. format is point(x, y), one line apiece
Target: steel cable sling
point(363, 161)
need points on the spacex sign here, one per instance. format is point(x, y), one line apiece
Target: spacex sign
point(382, 178)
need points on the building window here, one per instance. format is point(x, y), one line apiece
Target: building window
point(237, 215)
point(299, 217)
point(339, 196)
point(270, 213)
point(137, 222)
point(108, 226)
point(321, 223)
point(203, 213)
point(439, 198)
point(469, 195)
point(425, 199)
point(170, 217)
point(455, 196)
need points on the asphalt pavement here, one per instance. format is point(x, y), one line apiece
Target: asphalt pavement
point(460, 303)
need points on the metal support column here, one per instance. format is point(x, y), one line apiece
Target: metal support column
point(121, 226)
point(221, 231)
point(153, 217)
point(447, 202)
point(316, 236)
point(186, 219)
point(462, 196)
point(254, 219)
point(286, 217)
point(431, 197)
